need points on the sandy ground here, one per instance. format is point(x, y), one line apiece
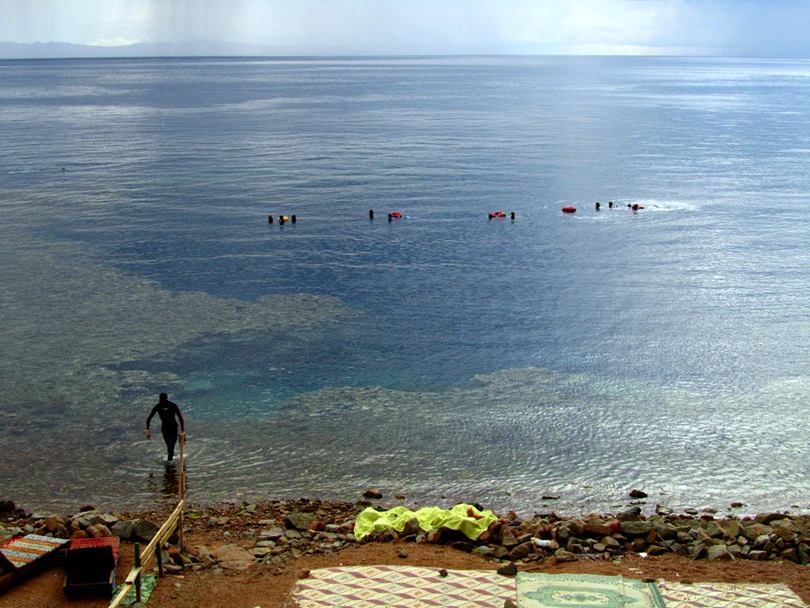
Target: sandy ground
point(261, 586)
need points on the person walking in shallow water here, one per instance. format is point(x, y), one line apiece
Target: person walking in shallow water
point(167, 410)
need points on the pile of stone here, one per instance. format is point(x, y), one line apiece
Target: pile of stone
point(273, 542)
point(273, 532)
point(767, 536)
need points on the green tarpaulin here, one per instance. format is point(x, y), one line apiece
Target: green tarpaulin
point(465, 518)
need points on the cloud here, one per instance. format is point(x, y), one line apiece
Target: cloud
point(118, 41)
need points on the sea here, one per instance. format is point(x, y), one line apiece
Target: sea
point(548, 362)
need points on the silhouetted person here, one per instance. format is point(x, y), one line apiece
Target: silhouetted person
point(598, 205)
point(167, 410)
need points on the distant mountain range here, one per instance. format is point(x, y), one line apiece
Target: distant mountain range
point(199, 48)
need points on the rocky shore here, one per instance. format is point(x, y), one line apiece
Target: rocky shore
point(271, 534)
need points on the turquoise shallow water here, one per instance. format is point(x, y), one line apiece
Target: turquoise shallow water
point(446, 356)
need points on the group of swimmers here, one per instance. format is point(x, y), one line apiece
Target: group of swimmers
point(397, 215)
point(634, 206)
point(283, 219)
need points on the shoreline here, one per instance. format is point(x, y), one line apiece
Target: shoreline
point(654, 531)
point(244, 553)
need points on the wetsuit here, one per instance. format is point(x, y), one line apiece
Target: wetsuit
point(167, 410)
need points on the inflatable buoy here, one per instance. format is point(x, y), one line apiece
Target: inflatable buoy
point(636, 207)
point(569, 209)
point(498, 214)
point(396, 215)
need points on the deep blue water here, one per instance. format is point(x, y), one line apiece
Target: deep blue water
point(445, 356)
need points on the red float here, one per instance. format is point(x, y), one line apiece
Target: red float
point(569, 209)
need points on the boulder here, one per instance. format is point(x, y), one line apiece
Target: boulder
point(53, 523)
point(718, 552)
point(638, 494)
point(373, 493)
point(122, 529)
point(561, 555)
point(766, 518)
point(232, 557)
point(272, 533)
point(636, 528)
point(507, 538)
point(596, 529)
point(144, 530)
point(520, 552)
point(483, 551)
point(714, 530)
point(99, 531)
point(299, 520)
point(411, 528)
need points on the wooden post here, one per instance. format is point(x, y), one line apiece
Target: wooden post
point(159, 557)
point(138, 578)
point(181, 487)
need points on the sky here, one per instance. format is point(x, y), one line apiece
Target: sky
point(752, 28)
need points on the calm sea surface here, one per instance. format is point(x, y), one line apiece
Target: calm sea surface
point(443, 356)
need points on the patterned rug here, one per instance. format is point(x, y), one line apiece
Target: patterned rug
point(584, 591)
point(402, 587)
point(727, 595)
point(409, 587)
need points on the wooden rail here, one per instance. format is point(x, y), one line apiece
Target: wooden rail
point(152, 551)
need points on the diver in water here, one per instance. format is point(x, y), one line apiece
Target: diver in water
point(167, 410)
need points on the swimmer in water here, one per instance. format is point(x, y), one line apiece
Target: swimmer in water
point(167, 410)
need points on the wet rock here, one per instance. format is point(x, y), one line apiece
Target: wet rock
point(766, 518)
point(736, 505)
point(714, 530)
point(638, 494)
point(79, 534)
point(596, 529)
point(7, 506)
point(665, 531)
point(636, 528)
point(373, 494)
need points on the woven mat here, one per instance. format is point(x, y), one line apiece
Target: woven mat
point(409, 587)
point(728, 595)
point(20, 552)
point(584, 591)
point(402, 587)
